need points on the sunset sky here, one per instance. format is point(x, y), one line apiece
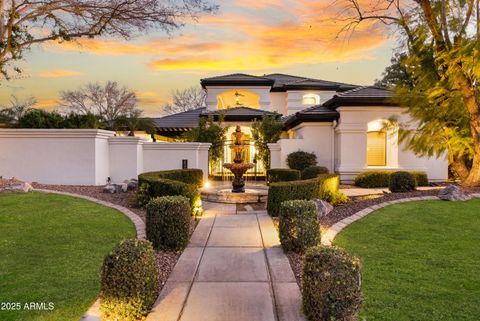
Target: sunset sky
point(249, 36)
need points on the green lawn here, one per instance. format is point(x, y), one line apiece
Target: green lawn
point(421, 261)
point(51, 250)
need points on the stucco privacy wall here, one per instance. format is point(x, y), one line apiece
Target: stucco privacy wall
point(89, 157)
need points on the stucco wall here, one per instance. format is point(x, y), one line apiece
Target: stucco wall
point(88, 156)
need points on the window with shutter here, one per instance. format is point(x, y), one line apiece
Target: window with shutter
point(376, 148)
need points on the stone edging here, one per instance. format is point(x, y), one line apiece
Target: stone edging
point(136, 220)
point(333, 230)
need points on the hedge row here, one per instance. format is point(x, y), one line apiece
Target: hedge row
point(129, 281)
point(314, 171)
point(282, 175)
point(371, 179)
point(325, 187)
point(155, 185)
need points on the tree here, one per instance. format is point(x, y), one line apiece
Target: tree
point(111, 103)
point(396, 73)
point(134, 121)
point(68, 20)
point(12, 114)
point(442, 38)
point(209, 131)
point(185, 100)
point(264, 132)
point(39, 118)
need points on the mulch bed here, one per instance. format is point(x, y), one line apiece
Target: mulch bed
point(166, 260)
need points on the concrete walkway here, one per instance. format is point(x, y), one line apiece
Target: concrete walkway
point(233, 270)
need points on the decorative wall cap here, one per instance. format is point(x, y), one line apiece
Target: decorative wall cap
point(274, 146)
point(126, 140)
point(55, 133)
point(176, 146)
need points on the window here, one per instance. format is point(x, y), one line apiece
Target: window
point(311, 99)
point(376, 148)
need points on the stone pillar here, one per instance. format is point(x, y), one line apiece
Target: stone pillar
point(275, 155)
point(202, 159)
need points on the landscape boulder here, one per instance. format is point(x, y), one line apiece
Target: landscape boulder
point(132, 184)
point(453, 193)
point(14, 185)
point(323, 207)
point(110, 188)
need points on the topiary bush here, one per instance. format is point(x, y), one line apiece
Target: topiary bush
point(282, 175)
point(331, 284)
point(324, 187)
point(301, 160)
point(129, 281)
point(372, 179)
point(299, 227)
point(421, 178)
point(141, 198)
point(168, 222)
point(159, 186)
point(314, 171)
point(401, 182)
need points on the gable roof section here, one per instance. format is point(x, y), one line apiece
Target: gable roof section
point(236, 79)
point(184, 120)
point(285, 82)
point(317, 113)
point(239, 113)
point(362, 96)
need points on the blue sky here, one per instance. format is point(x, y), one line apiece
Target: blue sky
point(257, 37)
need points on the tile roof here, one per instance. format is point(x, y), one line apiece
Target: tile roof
point(239, 113)
point(362, 96)
point(317, 113)
point(238, 78)
point(186, 119)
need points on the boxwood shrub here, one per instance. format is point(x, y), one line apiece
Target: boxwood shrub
point(192, 176)
point(313, 171)
point(402, 182)
point(421, 178)
point(301, 160)
point(299, 227)
point(331, 284)
point(159, 186)
point(129, 281)
point(282, 175)
point(168, 222)
point(371, 179)
point(324, 187)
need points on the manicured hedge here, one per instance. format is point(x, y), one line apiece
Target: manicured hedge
point(299, 227)
point(192, 176)
point(314, 171)
point(331, 284)
point(301, 160)
point(401, 182)
point(282, 175)
point(372, 179)
point(168, 222)
point(324, 187)
point(159, 186)
point(129, 281)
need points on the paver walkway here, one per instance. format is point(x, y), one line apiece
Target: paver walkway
point(233, 270)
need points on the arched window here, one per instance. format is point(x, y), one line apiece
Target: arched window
point(311, 99)
point(376, 148)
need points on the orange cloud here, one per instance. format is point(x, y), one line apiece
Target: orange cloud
point(59, 73)
point(47, 103)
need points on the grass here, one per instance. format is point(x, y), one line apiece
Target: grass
point(51, 250)
point(420, 261)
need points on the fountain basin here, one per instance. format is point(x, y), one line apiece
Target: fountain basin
point(227, 196)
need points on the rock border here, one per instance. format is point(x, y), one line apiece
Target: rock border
point(136, 220)
point(329, 235)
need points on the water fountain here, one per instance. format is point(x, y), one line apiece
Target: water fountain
point(238, 167)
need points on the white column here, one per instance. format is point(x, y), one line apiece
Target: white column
point(352, 149)
point(275, 155)
point(202, 159)
point(126, 157)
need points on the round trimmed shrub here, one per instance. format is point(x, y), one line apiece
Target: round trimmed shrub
point(314, 171)
point(282, 175)
point(372, 179)
point(421, 178)
point(331, 284)
point(301, 160)
point(299, 227)
point(168, 222)
point(129, 281)
point(401, 182)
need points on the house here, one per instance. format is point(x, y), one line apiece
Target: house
point(343, 124)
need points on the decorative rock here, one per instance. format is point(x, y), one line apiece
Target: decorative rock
point(124, 187)
point(14, 185)
point(132, 184)
point(110, 189)
point(323, 207)
point(453, 193)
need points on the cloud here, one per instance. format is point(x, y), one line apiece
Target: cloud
point(59, 73)
point(47, 103)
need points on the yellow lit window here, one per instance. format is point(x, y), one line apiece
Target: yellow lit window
point(310, 99)
point(376, 148)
